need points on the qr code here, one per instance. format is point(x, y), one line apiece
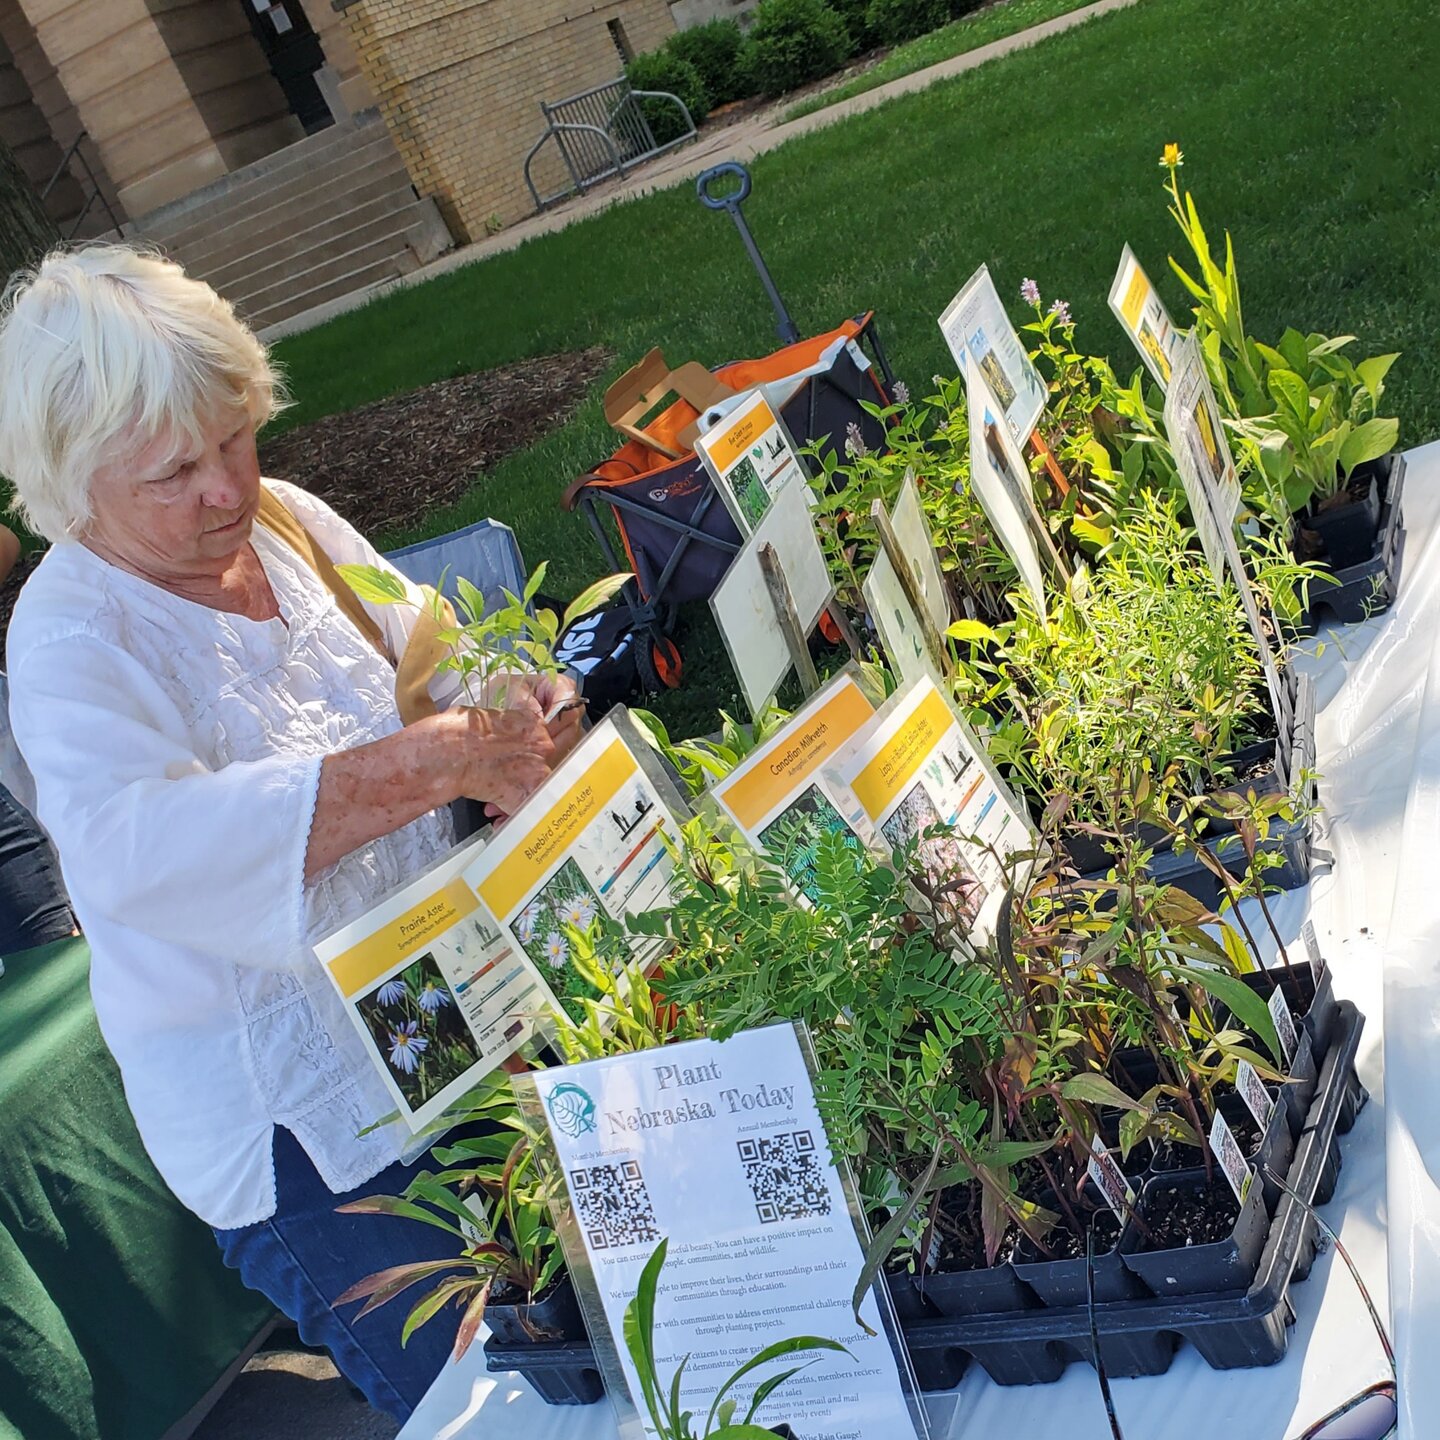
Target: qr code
point(613, 1205)
point(785, 1176)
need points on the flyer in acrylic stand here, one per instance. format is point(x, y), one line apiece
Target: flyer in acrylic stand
point(918, 766)
point(777, 796)
point(718, 1148)
point(976, 326)
point(1207, 471)
point(440, 993)
point(1001, 481)
point(589, 842)
point(900, 629)
point(1144, 318)
point(750, 458)
point(742, 603)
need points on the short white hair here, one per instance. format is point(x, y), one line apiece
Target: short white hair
point(103, 350)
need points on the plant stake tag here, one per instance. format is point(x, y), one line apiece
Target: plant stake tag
point(1253, 1092)
point(1227, 1151)
point(1109, 1180)
point(1284, 1024)
point(1312, 950)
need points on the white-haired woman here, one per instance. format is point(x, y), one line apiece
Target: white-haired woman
point(219, 758)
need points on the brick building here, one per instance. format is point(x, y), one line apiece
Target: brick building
point(292, 150)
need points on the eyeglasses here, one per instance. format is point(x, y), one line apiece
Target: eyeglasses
point(1373, 1414)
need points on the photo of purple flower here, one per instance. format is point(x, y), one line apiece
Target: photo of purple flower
point(418, 1030)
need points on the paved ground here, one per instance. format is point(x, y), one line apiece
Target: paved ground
point(293, 1395)
point(762, 131)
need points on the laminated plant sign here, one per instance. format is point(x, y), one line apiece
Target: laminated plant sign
point(976, 327)
point(750, 457)
point(1144, 318)
point(1252, 1091)
point(1001, 481)
point(895, 620)
point(778, 797)
point(1109, 1179)
point(1284, 1023)
point(912, 530)
point(439, 991)
point(1207, 471)
point(591, 843)
point(717, 1148)
point(916, 769)
point(742, 604)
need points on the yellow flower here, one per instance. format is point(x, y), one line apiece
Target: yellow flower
point(1171, 158)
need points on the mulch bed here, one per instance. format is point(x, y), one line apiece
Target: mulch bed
point(386, 466)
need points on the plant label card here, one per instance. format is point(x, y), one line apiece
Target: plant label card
point(777, 796)
point(918, 767)
point(742, 605)
point(1226, 1150)
point(590, 843)
point(751, 458)
point(912, 530)
point(1109, 1179)
point(976, 328)
point(1144, 318)
point(717, 1148)
point(1284, 1023)
point(1207, 471)
point(439, 992)
point(899, 628)
point(1252, 1091)
point(1001, 480)
point(1312, 950)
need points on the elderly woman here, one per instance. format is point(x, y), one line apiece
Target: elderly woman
point(218, 756)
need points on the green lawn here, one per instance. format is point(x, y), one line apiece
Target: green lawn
point(968, 33)
point(1312, 131)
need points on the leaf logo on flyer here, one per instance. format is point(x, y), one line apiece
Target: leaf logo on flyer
point(572, 1111)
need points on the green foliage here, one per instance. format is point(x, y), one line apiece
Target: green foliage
point(505, 1239)
point(666, 71)
point(482, 648)
point(714, 50)
point(792, 42)
point(662, 1402)
point(892, 22)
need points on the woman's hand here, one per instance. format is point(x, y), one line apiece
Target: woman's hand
point(496, 756)
point(505, 755)
point(546, 695)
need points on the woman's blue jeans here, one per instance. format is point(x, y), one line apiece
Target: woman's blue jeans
point(305, 1255)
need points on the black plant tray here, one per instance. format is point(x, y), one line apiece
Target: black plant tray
point(1137, 1337)
point(1290, 839)
point(1369, 588)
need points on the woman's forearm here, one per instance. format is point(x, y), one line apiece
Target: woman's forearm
point(377, 788)
point(374, 789)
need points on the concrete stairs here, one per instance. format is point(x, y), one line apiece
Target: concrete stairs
point(328, 217)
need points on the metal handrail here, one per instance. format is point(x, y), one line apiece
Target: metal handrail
point(558, 129)
point(94, 193)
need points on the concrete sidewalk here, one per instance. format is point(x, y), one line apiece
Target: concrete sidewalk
point(764, 130)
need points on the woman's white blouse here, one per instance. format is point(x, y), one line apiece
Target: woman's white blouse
point(176, 752)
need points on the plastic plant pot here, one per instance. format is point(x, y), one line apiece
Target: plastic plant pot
point(1061, 1281)
point(990, 1290)
point(1347, 532)
point(934, 1369)
point(1218, 1267)
point(555, 1315)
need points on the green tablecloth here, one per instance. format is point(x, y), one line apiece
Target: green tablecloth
point(116, 1314)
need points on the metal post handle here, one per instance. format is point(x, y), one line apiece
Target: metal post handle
point(784, 326)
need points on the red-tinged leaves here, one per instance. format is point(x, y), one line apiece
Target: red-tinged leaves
point(385, 1285)
point(472, 1320)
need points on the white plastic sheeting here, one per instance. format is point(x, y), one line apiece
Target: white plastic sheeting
point(1378, 745)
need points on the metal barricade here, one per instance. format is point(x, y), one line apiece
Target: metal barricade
point(599, 133)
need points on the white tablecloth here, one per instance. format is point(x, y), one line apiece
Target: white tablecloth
point(1378, 744)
